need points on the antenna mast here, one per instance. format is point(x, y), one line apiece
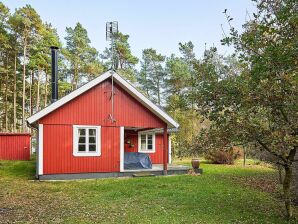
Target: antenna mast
point(111, 35)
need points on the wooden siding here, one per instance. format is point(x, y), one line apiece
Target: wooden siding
point(94, 106)
point(58, 151)
point(14, 146)
point(157, 157)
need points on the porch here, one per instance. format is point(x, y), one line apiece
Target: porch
point(173, 168)
point(157, 170)
point(145, 150)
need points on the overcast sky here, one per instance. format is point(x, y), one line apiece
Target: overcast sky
point(155, 23)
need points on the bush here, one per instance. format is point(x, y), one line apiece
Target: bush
point(222, 156)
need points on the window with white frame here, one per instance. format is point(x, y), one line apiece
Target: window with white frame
point(146, 142)
point(86, 140)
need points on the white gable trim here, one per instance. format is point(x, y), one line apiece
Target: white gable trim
point(119, 80)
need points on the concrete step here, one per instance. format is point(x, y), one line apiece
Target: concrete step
point(143, 174)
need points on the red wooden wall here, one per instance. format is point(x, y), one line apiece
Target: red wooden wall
point(93, 108)
point(157, 157)
point(58, 152)
point(15, 146)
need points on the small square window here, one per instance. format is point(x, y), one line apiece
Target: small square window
point(146, 143)
point(86, 140)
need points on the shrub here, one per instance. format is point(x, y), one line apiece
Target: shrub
point(222, 156)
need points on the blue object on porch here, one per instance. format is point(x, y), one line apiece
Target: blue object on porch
point(136, 160)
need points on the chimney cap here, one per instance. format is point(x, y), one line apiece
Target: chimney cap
point(54, 47)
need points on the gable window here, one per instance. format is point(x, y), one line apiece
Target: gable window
point(86, 140)
point(146, 142)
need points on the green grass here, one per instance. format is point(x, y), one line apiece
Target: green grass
point(223, 194)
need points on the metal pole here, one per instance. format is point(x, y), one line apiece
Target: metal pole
point(112, 99)
point(54, 53)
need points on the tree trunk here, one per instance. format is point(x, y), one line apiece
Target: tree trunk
point(295, 177)
point(192, 93)
point(24, 85)
point(75, 77)
point(46, 90)
point(288, 180)
point(15, 94)
point(6, 97)
point(30, 92)
point(146, 80)
point(287, 190)
point(158, 92)
point(38, 90)
point(280, 174)
point(244, 156)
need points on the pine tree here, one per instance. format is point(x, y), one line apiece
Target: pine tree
point(152, 76)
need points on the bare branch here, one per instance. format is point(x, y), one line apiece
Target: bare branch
point(268, 150)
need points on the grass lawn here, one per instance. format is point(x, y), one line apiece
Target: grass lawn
point(223, 194)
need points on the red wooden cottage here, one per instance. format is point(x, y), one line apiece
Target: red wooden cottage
point(94, 133)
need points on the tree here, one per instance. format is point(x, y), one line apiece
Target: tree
point(4, 60)
point(14, 51)
point(40, 60)
point(177, 83)
point(82, 57)
point(121, 56)
point(259, 105)
point(188, 57)
point(180, 99)
point(25, 65)
point(25, 22)
point(152, 75)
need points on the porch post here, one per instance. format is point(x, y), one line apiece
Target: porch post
point(165, 150)
point(121, 149)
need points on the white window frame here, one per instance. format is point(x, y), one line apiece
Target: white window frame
point(76, 142)
point(153, 142)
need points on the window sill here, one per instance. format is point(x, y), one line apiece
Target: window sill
point(86, 154)
point(141, 151)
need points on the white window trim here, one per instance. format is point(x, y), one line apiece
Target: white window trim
point(75, 141)
point(153, 142)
